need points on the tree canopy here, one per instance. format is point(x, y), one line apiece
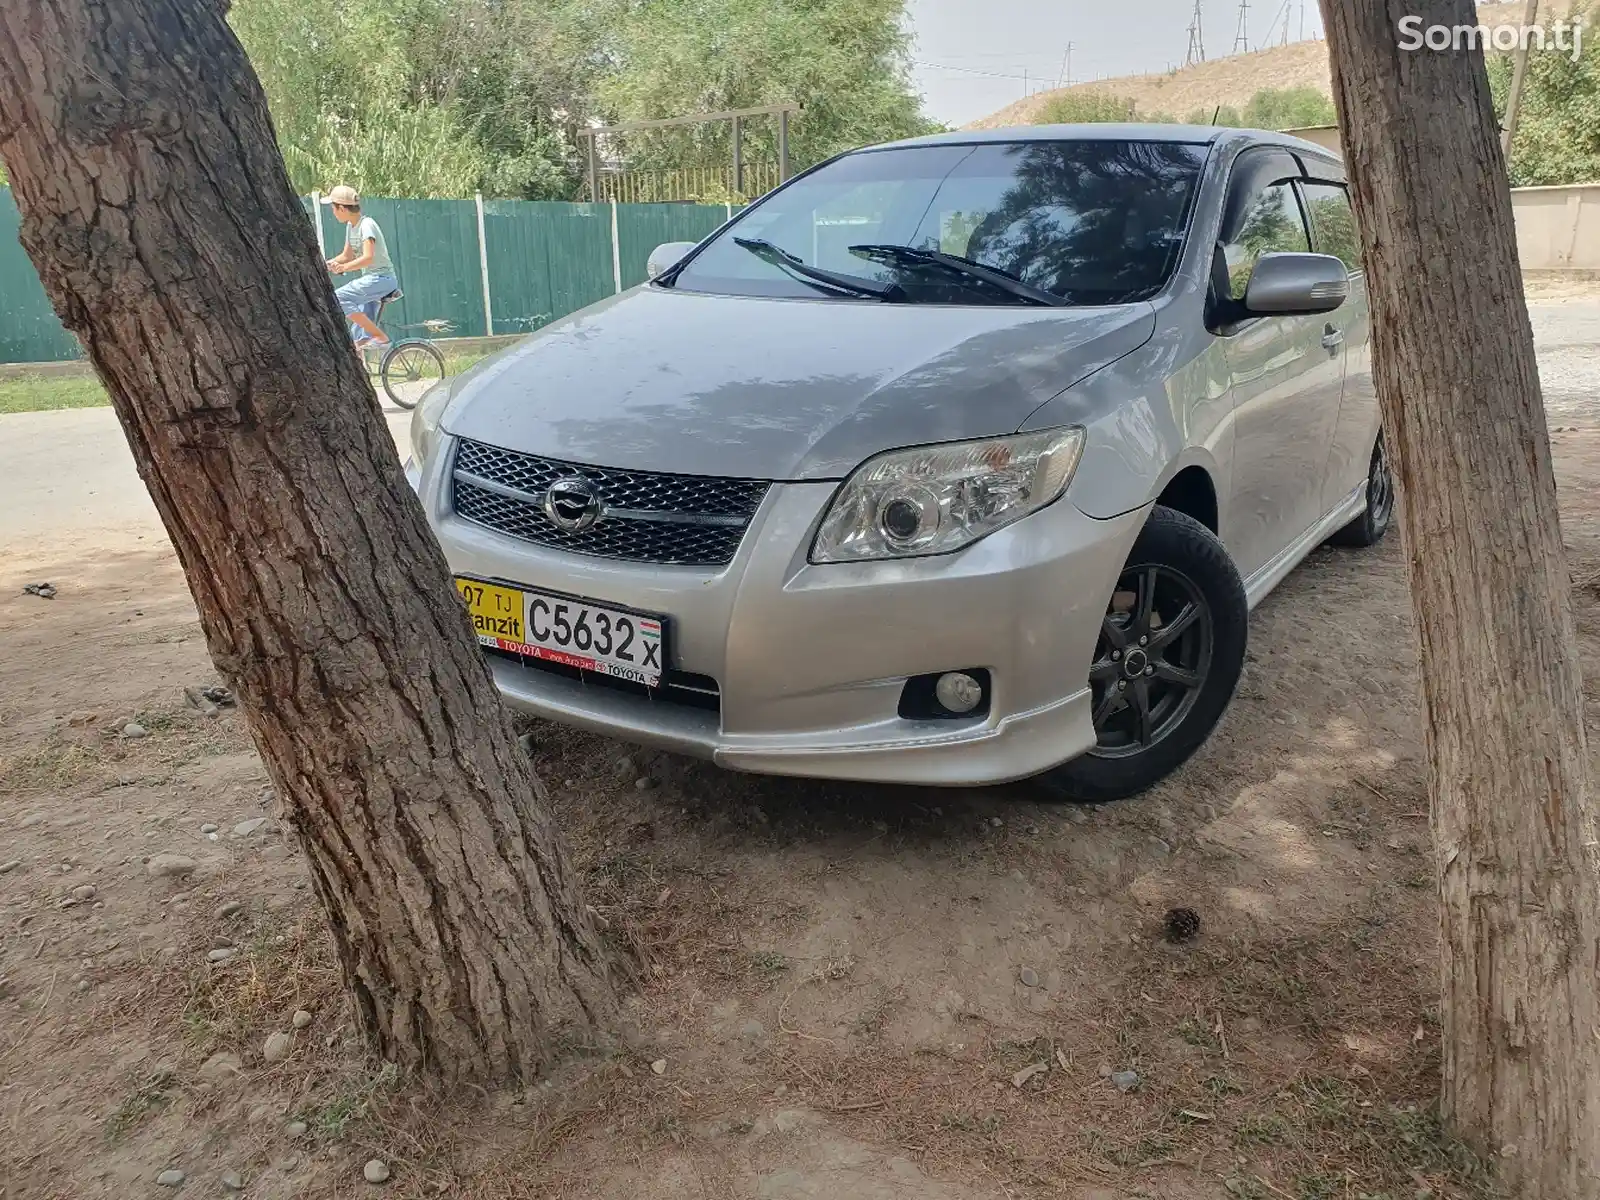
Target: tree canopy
point(448, 97)
point(1558, 133)
point(1272, 108)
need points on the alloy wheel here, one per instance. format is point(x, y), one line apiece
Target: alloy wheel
point(1380, 487)
point(1151, 660)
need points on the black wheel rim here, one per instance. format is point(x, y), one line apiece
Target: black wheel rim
point(409, 370)
point(1380, 487)
point(1151, 660)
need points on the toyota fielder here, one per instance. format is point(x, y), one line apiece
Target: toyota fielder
point(953, 461)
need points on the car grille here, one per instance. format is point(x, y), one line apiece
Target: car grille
point(687, 520)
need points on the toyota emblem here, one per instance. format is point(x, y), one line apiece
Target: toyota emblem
point(572, 504)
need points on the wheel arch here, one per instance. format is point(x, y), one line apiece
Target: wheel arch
point(1193, 492)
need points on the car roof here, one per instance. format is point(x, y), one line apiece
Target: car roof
point(1112, 132)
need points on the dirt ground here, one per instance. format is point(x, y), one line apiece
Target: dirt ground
point(850, 992)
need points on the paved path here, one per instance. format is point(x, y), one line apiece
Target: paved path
point(67, 475)
point(67, 480)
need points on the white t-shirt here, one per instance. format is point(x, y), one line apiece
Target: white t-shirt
point(355, 240)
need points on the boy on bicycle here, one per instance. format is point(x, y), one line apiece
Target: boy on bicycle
point(364, 251)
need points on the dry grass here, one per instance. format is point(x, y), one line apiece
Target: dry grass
point(1233, 79)
point(91, 758)
point(1221, 81)
point(148, 1097)
point(57, 764)
point(234, 1005)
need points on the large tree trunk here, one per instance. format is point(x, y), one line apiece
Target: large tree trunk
point(1513, 821)
point(157, 210)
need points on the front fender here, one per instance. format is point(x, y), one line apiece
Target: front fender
point(1147, 416)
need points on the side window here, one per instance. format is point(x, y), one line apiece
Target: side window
point(1267, 222)
point(1333, 223)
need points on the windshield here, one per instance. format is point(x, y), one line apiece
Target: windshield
point(1089, 222)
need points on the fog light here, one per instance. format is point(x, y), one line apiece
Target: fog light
point(958, 691)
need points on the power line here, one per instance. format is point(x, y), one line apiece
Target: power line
point(1241, 37)
point(1065, 78)
point(1013, 55)
point(1272, 26)
point(1197, 39)
point(967, 70)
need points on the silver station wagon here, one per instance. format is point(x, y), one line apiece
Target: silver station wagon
point(954, 461)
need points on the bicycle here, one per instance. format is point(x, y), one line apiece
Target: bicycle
point(408, 367)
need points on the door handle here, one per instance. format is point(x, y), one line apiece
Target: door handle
point(1332, 339)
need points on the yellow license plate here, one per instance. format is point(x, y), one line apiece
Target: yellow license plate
point(497, 612)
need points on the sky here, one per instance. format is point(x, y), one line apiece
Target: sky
point(972, 57)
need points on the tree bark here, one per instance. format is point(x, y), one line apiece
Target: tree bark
point(1513, 821)
point(159, 215)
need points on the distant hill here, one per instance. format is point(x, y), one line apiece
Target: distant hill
point(1230, 80)
point(1234, 79)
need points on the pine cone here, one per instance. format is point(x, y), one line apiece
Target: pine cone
point(1182, 924)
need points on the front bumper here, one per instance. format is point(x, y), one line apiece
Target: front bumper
point(811, 660)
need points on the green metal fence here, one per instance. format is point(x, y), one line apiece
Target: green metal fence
point(467, 267)
point(643, 227)
point(29, 330)
point(545, 260)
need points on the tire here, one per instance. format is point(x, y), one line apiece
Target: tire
point(1368, 529)
point(409, 370)
point(1179, 571)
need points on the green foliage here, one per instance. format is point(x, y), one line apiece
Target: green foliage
point(1289, 108)
point(844, 60)
point(1334, 224)
point(439, 98)
point(1224, 114)
point(1285, 108)
point(1087, 107)
point(422, 98)
point(1272, 108)
point(1558, 132)
point(387, 150)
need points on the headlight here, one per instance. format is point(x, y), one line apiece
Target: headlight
point(940, 498)
point(425, 420)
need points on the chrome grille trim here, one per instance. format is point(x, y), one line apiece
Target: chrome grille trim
point(644, 516)
point(606, 510)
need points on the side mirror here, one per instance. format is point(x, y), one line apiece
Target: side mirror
point(666, 255)
point(1284, 285)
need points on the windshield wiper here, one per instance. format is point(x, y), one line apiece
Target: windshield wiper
point(852, 285)
point(910, 256)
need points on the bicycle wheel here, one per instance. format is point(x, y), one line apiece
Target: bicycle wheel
point(409, 370)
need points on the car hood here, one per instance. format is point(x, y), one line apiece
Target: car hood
point(756, 388)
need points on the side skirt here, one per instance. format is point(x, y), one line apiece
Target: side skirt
point(1269, 576)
